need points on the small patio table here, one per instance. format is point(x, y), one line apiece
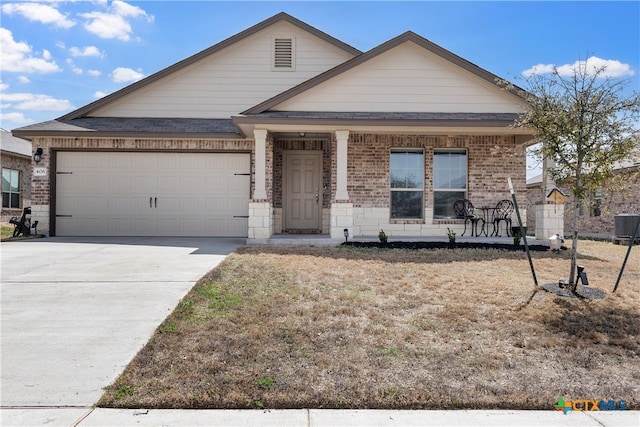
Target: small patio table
point(487, 215)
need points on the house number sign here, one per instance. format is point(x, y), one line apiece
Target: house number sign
point(40, 171)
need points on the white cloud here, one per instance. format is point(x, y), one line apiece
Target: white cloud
point(43, 13)
point(612, 68)
point(113, 24)
point(538, 69)
point(125, 75)
point(74, 68)
point(94, 73)
point(17, 56)
point(100, 94)
point(86, 51)
point(24, 80)
point(34, 102)
point(17, 118)
point(3, 86)
point(124, 9)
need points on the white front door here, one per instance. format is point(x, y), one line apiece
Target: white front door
point(302, 191)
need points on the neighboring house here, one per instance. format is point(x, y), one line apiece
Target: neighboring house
point(621, 195)
point(16, 174)
point(285, 129)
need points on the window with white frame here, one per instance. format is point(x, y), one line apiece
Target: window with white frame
point(449, 181)
point(10, 188)
point(407, 184)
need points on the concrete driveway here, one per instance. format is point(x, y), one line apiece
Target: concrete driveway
point(76, 310)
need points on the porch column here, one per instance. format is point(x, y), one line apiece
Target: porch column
point(342, 137)
point(260, 191)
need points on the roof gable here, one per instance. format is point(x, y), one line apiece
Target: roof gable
point(405, 74)
point(113, 104)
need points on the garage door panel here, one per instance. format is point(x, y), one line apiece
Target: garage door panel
point(147, 194)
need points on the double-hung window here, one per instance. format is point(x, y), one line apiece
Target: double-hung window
point(407, 184)
point(449, 181)
point(10, 188)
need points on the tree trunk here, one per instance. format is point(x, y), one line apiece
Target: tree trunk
point(574, 244)
point(576, 218)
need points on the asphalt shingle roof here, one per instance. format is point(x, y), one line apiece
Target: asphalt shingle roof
point(11, 144)
point(385, 115)
point(141, 125)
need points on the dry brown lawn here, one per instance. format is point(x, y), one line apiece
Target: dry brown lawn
point(313, 327)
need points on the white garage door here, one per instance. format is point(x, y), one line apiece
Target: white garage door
point(152, 194)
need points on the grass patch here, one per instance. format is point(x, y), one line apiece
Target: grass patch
point(265, 382)
point(6, 231)
point(313, 327)
point(219, 300)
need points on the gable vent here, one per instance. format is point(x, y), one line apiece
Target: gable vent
point(283, 57)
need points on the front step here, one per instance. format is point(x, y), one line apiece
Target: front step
point(296, 239)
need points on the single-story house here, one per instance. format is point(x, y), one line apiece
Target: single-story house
point(16, 174)
point(282, 128)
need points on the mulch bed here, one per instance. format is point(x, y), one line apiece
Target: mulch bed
point(445, 245)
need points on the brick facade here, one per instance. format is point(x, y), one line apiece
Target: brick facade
point(491, 160)
point(24, 166)
point(619, 200)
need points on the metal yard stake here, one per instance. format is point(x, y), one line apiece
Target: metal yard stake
point(526, 245)
point(624, 263)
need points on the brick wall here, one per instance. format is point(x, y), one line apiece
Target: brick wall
point(621, 195)
point(491, 160)
point(24, 166)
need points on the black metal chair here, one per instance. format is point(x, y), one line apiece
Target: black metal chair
point(22, 225)
point(502, 212)
point(464, 209)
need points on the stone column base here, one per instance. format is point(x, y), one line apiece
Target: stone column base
point(549, 221)
point(341, 217)
point(260, 220)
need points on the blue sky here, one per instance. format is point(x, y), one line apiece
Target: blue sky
point(61, 55)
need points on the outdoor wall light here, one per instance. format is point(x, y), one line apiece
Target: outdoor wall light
point(37, 156)
point(346, 234)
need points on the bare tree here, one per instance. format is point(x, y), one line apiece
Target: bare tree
point(588, 124)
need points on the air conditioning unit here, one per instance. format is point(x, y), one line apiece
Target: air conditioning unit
point(625, 224)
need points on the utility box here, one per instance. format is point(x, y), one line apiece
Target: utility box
point(625, 224)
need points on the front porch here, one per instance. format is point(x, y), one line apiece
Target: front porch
point(320, 183)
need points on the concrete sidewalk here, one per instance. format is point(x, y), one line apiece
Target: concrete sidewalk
point(313, 418)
